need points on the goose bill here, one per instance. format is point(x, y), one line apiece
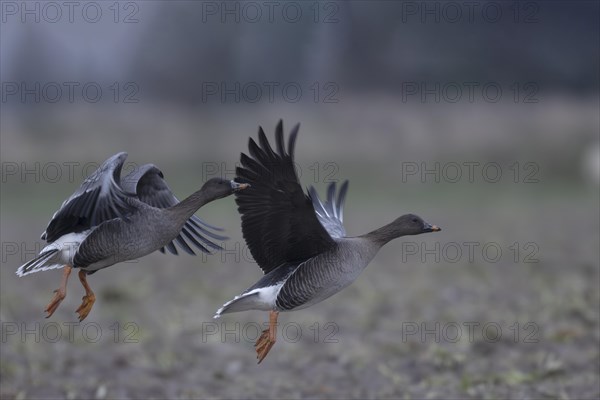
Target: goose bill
point(239, 186)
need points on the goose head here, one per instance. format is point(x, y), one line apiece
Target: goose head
point(217, 188)
point(411, 224)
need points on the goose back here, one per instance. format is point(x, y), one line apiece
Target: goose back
point(148, 184)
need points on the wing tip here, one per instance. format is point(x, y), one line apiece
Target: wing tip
point(292, 139)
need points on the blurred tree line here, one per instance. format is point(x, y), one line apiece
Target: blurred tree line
point(362, 46)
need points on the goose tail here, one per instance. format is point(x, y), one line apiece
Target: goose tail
point(244, 302)
point(44, 261)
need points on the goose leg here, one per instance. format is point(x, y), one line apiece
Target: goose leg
point(89, 298)
point(60, 293)
point(268, 337)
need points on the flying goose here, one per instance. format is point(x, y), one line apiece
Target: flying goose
point(298, 240)
point(110, 220)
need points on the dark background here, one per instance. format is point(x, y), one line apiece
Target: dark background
point(381, 89)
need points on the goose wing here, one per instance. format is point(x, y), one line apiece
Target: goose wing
point(98, 199)
point(147, 182)
point(279, 222)
point(331, 212)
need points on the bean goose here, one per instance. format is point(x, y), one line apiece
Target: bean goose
point(110, 220)
point(298, 240)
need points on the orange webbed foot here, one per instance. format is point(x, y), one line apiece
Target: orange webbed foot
point(89, 298)
point(268, 337)
point(263, 345)
point(59, 294)
point(86, 306)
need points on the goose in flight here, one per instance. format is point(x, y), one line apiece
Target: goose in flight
point(110, 219)
point(298, 240)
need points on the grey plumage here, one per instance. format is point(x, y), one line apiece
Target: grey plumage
point(299, 241)
point(148, 184)
point(108, 219)
point(99, 198)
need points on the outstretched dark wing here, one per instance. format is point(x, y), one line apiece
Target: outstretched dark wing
point(98, 199)
point(148, 183)
point(278, 219)
point(331, 213)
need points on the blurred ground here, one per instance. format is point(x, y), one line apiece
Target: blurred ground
point(525, 325)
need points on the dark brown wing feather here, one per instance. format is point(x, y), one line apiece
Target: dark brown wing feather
point(279, 222)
